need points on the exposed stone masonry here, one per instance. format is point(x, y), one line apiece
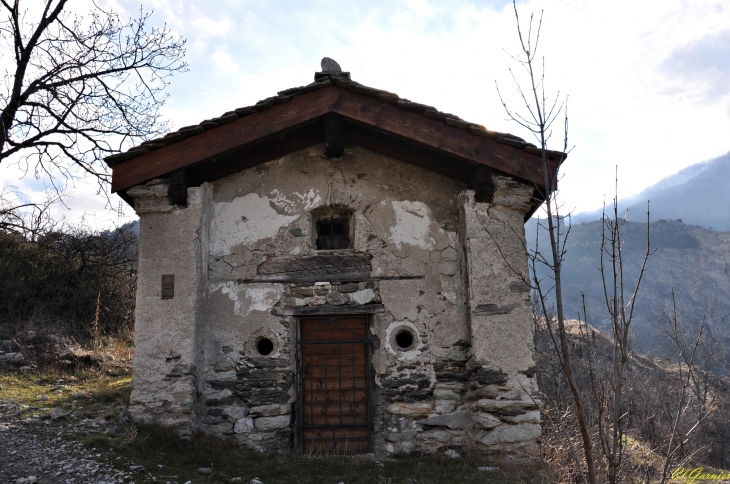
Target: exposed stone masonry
point(250, 400)
point(330, 294)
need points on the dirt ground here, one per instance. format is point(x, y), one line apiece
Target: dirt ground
point(34, 450)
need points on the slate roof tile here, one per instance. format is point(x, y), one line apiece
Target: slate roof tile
point(323, 80)
point(245, 111)
point(388, 97)
point(459, 123)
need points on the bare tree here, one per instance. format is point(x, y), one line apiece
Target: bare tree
point(541, 113)
point(606, 384)
point(560, 430)
point(691, 398)
point(608, 364)
point(66, 277)
point(80, 88)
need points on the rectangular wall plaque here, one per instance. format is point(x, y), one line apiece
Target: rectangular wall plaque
point(168, 286)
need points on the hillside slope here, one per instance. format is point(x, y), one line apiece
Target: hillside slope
point(692, 260)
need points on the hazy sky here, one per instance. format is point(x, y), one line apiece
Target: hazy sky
point(649, 82)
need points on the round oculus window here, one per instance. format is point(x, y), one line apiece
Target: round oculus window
point(404, 339)
point(264, 346)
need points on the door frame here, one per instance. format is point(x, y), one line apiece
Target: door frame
point(369, 375)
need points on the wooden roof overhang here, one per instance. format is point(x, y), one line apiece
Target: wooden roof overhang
point(334, 115)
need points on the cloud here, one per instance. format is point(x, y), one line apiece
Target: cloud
point(211, 27)
point(224, 61)
point(646, 79)
point(702, 67)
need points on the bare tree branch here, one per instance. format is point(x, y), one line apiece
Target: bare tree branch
point(82, 87)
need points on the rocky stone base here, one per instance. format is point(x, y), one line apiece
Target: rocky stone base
point(251, 402)
point(469, 405)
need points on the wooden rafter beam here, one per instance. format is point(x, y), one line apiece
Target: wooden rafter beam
point(334, 115)
point(219, 141)
point(435, 134)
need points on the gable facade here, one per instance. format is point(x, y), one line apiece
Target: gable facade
point(361, 302)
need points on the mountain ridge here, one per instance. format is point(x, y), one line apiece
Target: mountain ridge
point(696, 195)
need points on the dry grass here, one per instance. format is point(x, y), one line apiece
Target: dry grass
point(86, 392)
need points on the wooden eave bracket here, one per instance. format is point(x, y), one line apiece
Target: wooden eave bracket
point(483, 185)
point(334, 143)
point(535, 202)
point(178, 188)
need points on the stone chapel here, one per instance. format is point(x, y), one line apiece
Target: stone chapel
point(336, 269)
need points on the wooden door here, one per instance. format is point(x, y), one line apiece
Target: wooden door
point(334, 414)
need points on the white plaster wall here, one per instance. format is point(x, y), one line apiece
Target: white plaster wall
point(494, 239)
point(403, 215)
point(165, 329)
point(245, 221)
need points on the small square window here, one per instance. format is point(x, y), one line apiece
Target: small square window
point(332, 234)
